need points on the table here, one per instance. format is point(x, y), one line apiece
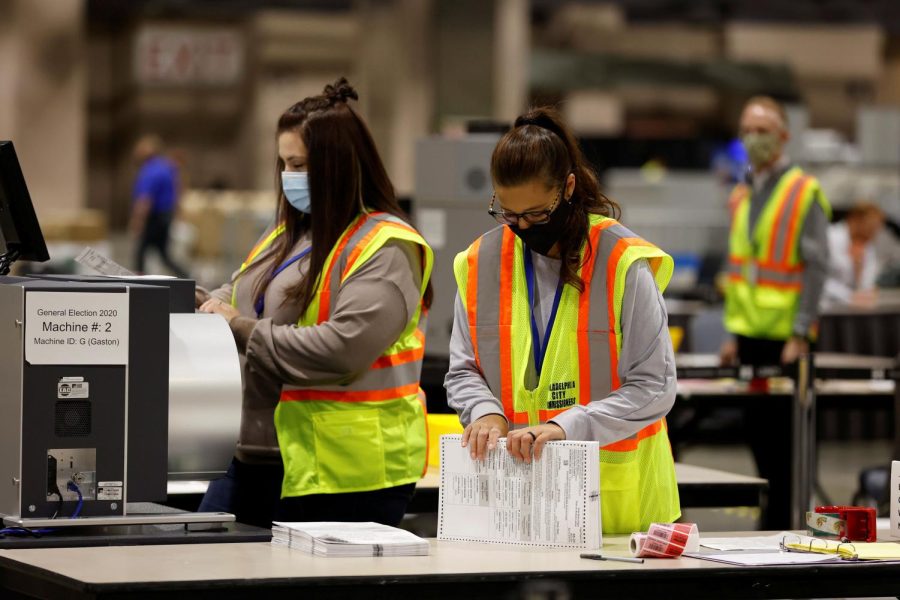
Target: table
point(789, 403)
point(698, 487)
point(453, 570)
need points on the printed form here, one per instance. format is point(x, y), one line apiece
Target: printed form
point(551, 502)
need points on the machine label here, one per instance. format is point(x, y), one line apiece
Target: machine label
point(76, 328)
point(73, 387)
point(109, 490)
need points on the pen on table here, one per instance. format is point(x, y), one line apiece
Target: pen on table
point(639, 561)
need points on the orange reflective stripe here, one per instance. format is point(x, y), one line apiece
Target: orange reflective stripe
point(350, 396)
point(402, 357)
point(631, 444)
point(779, 214)
point(325, 294)
point(472, 297)
point(584, 312)
point(737, 195)
point(611, 267)
point(264, 243)
point(782, 285)
point(793, 225)
point(507, 265)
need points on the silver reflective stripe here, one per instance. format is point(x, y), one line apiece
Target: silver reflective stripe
point(784, 226)
point(736, 269)
point(487, 330)
point(341, 262)
point(778, 276)
point(372, 380)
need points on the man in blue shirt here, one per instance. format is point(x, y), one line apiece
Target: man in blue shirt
point(153, 202)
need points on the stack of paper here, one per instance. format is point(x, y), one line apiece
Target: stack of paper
point(348, 539)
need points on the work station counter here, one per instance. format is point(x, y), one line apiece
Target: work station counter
point(452, 570)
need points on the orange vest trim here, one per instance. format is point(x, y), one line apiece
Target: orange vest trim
point(350, 396)
point(507, 265)
point(325, 295)
point(403, 357)
point(795, 216)
point(584, 309)
point(631, 444)
point(611, 267)
point(779, 215)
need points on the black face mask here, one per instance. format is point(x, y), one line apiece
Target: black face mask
point(541, 238)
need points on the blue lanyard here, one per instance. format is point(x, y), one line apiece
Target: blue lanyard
point(540, 351)
point(260, 305)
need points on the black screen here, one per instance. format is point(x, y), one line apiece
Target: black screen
point(19, 226)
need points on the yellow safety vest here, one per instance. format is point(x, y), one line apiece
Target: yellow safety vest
point(765, 271)
point(368, 433)
point(637, 475)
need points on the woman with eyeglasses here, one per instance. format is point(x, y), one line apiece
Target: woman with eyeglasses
point(560, 329)
point(328, 313)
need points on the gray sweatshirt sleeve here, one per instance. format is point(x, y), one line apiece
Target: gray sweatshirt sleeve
point(646, 370)
point(373, 307)
point(467, 391)
point(814, 253)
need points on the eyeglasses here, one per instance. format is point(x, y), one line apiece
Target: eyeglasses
point(532, 217)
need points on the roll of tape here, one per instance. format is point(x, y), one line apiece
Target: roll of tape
point(827, 525)
point(664, 540)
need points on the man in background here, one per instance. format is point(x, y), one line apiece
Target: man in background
point(154, 201)
point(778, 262)
point(854, 263)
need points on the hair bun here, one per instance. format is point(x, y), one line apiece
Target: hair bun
point(340, 91)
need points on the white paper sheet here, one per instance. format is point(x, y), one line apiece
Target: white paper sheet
point(755, 559)
point(769, 542)
point(551, 502)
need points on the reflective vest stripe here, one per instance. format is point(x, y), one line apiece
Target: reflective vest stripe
point(631, 444)
point(262, 245)
point(328, 271)
point(258, 249)
point(295, 395)
point(774, 251)
point(472, 295)
point(404, 356)
point(360, 246)
point(507, 268)
point(584, 309)
point(738, 194)
point(793, 225)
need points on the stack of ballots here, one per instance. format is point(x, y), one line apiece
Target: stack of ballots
point(348, 539)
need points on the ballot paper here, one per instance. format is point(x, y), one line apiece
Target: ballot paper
point(551, 502)
point(324, 538)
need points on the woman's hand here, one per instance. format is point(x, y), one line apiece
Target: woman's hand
point(482, 435)
point(522, 443)
point(200, 297)
point(214, 305)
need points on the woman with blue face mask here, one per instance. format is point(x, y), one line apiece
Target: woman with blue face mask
point(328, 314)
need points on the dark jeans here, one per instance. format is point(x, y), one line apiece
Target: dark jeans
point(251, 492)
point(769, 434)
point(156, 235)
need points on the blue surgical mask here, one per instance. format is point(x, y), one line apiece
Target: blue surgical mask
point(296, 189)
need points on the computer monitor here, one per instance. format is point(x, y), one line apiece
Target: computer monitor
point(19, 228)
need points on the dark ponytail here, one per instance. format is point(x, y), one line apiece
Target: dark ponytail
point(540, 146)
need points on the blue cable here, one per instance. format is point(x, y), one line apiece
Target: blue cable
point(73, 487)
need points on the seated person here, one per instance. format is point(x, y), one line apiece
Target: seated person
point(854, 265)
